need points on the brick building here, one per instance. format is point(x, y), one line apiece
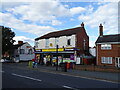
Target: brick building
point(72, 43)
point(108, 49)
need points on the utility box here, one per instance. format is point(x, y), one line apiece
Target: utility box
point(63, 67)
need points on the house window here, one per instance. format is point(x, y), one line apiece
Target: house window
point(106, 60)
point(30, 51)
point(106, 46)
point(22, 51)
point(36, 44)
point(47, 43)
point(69, 42)
point(56, 41)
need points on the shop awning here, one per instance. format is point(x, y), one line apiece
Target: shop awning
point(56, 52)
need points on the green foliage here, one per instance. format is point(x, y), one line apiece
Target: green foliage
point(7, 40)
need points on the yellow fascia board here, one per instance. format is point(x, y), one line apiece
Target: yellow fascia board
point(52, 50)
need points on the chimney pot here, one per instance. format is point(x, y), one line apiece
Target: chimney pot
point(82, 24)
point(20, 42)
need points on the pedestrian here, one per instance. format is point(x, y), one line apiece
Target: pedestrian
point(33, 62)
point(36, 62)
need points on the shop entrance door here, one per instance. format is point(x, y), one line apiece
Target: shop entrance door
point(117, 62)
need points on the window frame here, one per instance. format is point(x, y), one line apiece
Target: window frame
point(106, 60)
point(22, 51)
point(30, 51)
point(69, 42)
point(106, 46)
point(47, 43)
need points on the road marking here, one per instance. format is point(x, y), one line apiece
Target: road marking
point(91, 78)
point(96, 79)
point(26, 77)
point(70, 87)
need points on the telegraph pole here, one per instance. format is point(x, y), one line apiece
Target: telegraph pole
point(57, 57)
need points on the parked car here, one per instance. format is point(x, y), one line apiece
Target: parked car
point(5, 60)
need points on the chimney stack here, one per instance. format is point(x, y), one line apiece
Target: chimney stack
point(82, 25)
point(101, 30)
point(20, 42)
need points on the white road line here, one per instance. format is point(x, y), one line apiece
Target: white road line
point(91, 78)
point(26, 77)
point(96, 79)
point(69, 87)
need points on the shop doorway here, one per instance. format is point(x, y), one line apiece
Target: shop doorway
point(117, 62)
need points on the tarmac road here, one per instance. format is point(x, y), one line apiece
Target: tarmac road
point(13, 77)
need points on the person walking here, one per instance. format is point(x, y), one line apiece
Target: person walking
point(36, 62)
point(33, 62)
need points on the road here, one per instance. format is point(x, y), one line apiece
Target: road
point(17, 77)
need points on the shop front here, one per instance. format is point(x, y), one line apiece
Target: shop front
point(49, 56)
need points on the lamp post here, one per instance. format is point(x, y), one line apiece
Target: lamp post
point(57, 57)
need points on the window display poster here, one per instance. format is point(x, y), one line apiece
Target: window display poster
point(72, 57)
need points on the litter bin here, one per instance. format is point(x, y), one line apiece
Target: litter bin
point(63, 67)
point(30, 64)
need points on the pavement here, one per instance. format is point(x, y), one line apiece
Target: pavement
point(95, 75)
point(107, 76)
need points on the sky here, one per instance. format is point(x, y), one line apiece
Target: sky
point(32, 19)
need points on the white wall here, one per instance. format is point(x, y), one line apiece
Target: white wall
point(26, 56)
point(52, 41)
point(41, 44)
point(92, 51)
point(62, 41)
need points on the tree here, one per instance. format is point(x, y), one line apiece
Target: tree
point(7, 40)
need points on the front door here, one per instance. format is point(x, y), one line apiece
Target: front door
point(117, 62)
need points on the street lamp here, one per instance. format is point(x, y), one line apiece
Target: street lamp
point(57, 57)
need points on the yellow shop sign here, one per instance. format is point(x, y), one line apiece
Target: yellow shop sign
point(52, 50)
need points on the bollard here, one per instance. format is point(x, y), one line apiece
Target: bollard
point(65, 67)
point(30, 64)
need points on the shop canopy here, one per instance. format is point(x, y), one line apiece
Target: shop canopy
point(56, 52)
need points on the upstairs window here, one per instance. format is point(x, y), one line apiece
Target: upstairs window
point(36, 44)
point(47, 43)
point(30, 51)
point(106, 46)
point(69, 42)
point(56, 41)
point(22, 51)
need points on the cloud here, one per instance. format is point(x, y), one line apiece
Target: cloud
point(23, 38)
point(106, 14)
point(56, 22)
point(92, 40)
point(77, 10)
point(59, 0)
point(40, 12)
point(43, 12)
point(21, 26)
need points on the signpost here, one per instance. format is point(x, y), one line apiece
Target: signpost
point(57, 57)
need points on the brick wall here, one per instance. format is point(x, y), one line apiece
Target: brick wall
point(80, 41)
point(114, 52)
point(97, 68)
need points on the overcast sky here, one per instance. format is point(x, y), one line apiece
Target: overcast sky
point(30, 20)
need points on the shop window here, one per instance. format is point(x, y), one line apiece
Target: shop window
point(22, 51)
point(69, 42)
